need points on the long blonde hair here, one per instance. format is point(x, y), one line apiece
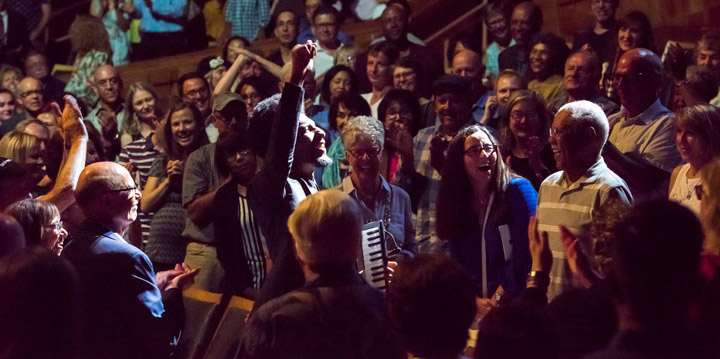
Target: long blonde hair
point(131, 125)
point(17, 145)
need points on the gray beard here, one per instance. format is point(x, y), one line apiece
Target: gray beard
point(323, 161)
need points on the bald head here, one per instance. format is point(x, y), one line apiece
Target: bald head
point(468, 63)
point(30, 95)
point(12, 238)
point(638, 79)
point(98, 178)
point(107, 84)
point(106, 192)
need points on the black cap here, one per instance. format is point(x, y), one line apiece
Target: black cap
point(452, 84)
point(10, 169)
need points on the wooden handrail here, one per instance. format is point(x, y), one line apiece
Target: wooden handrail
point(473, 12)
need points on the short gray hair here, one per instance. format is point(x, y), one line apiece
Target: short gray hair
point(588, 114)
point(366, 126)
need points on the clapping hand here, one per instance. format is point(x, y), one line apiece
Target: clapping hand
point(540, 253)
point(175, 171)
point(577, 258)
point(180, 277)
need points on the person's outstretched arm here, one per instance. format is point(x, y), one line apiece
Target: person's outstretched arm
point(63, 193)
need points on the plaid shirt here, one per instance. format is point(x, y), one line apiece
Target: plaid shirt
point(247, 16)
point(423, 188)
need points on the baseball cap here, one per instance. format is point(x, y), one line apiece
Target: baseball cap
point(10, 169)
point(224, 99)
point(453, 84)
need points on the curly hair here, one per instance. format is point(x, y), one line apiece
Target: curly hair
point(404, 97)
point(558, 51)
point(88, 33)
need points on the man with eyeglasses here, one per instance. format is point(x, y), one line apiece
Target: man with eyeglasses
point(326, 23)
point(30, 97)
point(584, 183)
point(194, 89)
point(200, 186)
point(132, 312)
point(109, 114)
point(641, 148)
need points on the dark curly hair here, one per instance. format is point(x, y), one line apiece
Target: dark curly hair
point(406, 97)
point(558, 51)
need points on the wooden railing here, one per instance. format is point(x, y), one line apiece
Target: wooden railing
point(428, 18)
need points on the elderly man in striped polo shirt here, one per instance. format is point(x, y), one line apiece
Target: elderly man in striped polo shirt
point(584, 183)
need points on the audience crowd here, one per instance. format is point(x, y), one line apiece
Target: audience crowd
point(555, 201)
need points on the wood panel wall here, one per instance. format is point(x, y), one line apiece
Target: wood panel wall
point(681, 20)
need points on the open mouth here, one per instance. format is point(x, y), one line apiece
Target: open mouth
point(484, 168)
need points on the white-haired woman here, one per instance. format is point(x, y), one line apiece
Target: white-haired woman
point(363, 138)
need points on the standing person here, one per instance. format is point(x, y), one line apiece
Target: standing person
point(341, 109)
point(547, 60)
point(131, 312)
point(468, 64)
point(116, 17)
point(37, 15)
point(325, 27)
point(526, 22)
point(698, 141)
point(380, 59)
point(140, 144)
point(241, 246)
point(641, 148)
point(499, 26)
point(182, 134)
point(292, 147)
point(91, 45)
point(247, 18)
point(364, 137)
point(400, 115)
point(109, 115)
point(160, 28)
point(495, 230)
point(633, 31)
point(601, 37)
point(336, 313)
point(287, 26)
point(37, 65)
point(581, 78)
point(524, 137)
point(572, 196)
point(200, 185)
point(420, 168)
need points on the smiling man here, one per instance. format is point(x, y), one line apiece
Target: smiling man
point(526, 22)
point(287, 25)
point(421, 165)
point(30, 97)
point(131, 311)
point(581, 78)
point(573, 195)
point(292, 146)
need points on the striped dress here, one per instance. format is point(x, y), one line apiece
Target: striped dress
point(141, 153)
point(253, 242)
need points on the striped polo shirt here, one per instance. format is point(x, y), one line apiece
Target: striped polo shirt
point(573, 205)
point(141, 153)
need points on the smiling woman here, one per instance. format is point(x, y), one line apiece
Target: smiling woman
point(490, 240)
point(183, 132)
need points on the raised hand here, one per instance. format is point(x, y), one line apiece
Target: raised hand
point(302, 56)
point(108, 124)
point(71, 120)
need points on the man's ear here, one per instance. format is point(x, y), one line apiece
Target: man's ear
point(590, 134)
